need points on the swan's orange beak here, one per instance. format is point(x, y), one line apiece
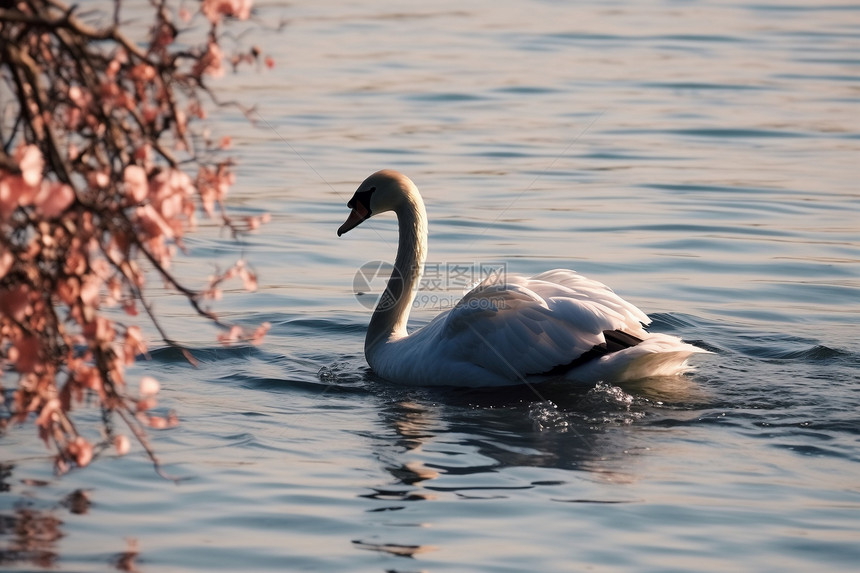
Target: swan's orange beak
point(356, 217)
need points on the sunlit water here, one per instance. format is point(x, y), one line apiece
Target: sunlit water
point(699, 157)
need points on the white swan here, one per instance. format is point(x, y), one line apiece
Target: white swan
point(557, 324)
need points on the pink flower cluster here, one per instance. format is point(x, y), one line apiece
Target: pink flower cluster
point(163, 203)
point(215, 9)
point(29, 188)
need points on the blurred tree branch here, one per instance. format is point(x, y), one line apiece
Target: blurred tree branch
point(100, 180)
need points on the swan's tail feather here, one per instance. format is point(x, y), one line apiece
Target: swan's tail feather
point(616, 340)
point(656, 355)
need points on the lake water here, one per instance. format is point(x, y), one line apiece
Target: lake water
point(701, 158)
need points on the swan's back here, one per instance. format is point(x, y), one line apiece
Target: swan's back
point(557, 324)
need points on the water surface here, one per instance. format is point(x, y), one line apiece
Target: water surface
point(698, 157)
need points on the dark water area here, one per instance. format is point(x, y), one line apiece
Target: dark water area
point(701, 158)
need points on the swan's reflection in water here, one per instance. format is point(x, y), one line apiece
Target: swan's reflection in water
point(570, 446)
point(414, 424)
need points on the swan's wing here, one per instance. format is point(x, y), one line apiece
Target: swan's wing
point(526, 326)
point(587, 288)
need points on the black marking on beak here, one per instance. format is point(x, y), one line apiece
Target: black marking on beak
point(360, 205)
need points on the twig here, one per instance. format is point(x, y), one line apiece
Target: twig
point(141, 437)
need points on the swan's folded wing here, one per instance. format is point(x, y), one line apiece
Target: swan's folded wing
point(532, 325)
point(584, 288)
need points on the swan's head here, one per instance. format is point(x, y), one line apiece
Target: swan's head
point(383, 191)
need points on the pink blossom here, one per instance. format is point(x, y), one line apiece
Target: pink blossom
point(27, 355)
point(232, 272)
point(149, 386)
point(225, 180)
point(171, 191)
point(109, 90)
point(61, 465)
point(101, 268)
point(79, 97)
point(81, 450)
point(134, 343)
point(197, 110)
point(113, 68)
point(260, 333)
point(207, 190)
point(181, 121)
point(157, 422)
point(48, 413)
point(101, 331)
point(213, 293)
point(53, 198)
point(234, 334)
point(31, 164)
point(255, 222)
point(143, 154)
point(8, 200)
point(213, 185)
point(211, 63)
point(14, 192)
point(150, 114)
point(101, 179)
point(152, 222)
point(114, 291)
point(145, 403)
point(130, 307)
point(171, 206)
point(163, 35)
point(142, 73)
point(68, 290)
point(15, 302)
point(6, 262)
point(122, 445)
point(181, 182)
point(117, 369)
point(136, 186)
point(207, 196)
point(214, 9)
point(90, 378)
point(249, 279)
point(90, 290)
point(76, 261)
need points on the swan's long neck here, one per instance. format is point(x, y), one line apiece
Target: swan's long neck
point(392, 311)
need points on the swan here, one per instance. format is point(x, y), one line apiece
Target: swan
point(520, 330)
